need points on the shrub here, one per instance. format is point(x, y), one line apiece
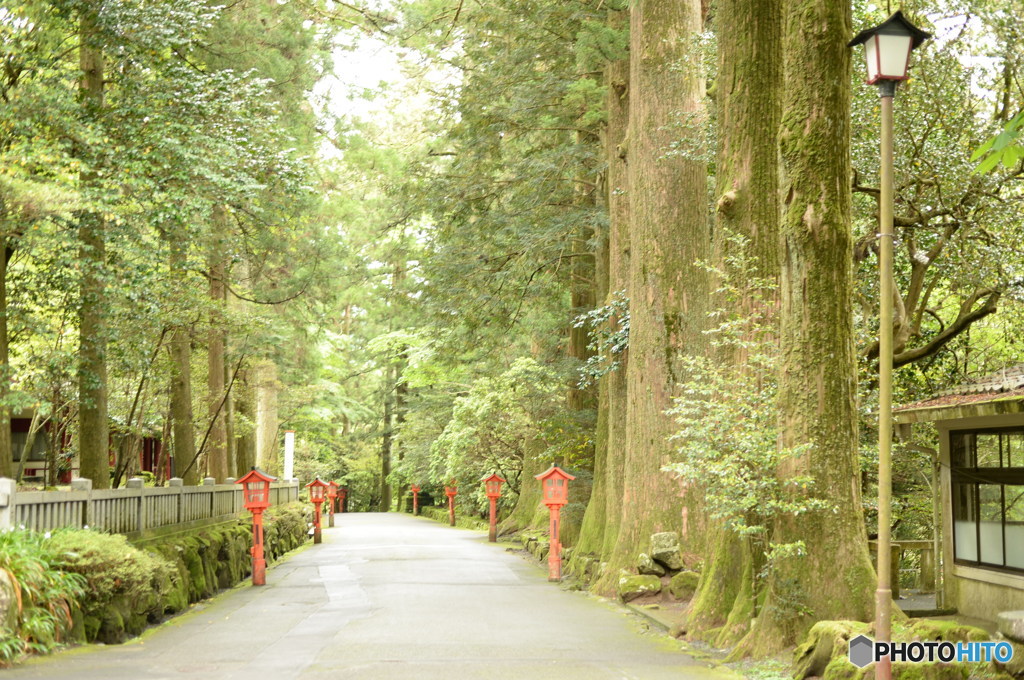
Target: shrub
point(41, 596)
point(126, 585)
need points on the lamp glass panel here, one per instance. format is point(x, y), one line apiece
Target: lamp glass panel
point(895, 52)
point(871, 55)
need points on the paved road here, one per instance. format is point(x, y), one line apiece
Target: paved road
point(390, 596)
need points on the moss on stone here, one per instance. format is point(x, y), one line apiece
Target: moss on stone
point(950, 631)
point(632, 586)
point(684, 584)
point(131, 587)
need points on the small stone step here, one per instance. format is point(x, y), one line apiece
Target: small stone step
point(1011, 625)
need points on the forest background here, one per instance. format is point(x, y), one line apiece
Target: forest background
point(635, 240)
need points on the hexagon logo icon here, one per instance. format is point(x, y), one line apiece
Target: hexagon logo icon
point(862, 651)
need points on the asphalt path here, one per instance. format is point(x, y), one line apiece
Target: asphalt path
point(391, 596)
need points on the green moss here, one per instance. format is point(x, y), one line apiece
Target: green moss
point(684, 584)
point(632, 586)
point(130, 587)
point(942, 630)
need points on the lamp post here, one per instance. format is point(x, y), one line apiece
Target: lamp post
point(342, 498)
point(256, 495)
point(555, 483)
point(332, 495)
point(415, 499)
point(450, 492)
point(317, 493)
point(887, 49)
point(492, 485)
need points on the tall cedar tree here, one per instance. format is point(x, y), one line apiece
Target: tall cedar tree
point(746, 176)
point(93, 425)
point(668, 235)
point(818, 380)
point(601, 521)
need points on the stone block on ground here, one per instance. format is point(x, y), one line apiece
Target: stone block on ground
point(665, 550)
point(632, 586)
point(684, 584)
point(646, 565)
point(825, 641)
point(1011, 625)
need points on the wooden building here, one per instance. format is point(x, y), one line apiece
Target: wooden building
point(981, 455)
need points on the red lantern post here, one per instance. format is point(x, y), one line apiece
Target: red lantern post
point(341, 499)
point(317, 494)
point(555, 483)
point(256, 495)
point(493, 486)
point(451, 492)
point(415, 499)
point(332, 495)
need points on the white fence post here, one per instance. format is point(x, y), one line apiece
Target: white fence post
point(179, 484)
point(134, 486)
point(84, 485)
point(8, 490)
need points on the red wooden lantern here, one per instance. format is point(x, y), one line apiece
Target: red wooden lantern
point(317, 494)
point(332, 496)
point(555, 484)
point(492, 485)
point(256, 495)
point(415, 499)
point(451, 492)
point(342, 495)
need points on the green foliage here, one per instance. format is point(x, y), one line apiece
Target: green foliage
point(608, 328)
point(113, 570)
point(500, 422)
point(727, 441)
point(44, 594)
point(1003, 148)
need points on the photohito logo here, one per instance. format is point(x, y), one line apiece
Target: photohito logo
point(864, 651)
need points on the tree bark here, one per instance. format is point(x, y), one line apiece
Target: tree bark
point(93, 424)
point(6, 450)
point(618, 279)
point(385, 445)
point(217, 446)
point(268, 451)
point(746, 175)
point(600, 522)
point(668, 234)
point(818, 375)
point(246, 408)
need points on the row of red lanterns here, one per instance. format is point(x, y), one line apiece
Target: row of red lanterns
point(555, 485)
point(256, 497)
point(256, 489)
point(319, 491)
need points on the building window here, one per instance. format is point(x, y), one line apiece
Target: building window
point(987, 469)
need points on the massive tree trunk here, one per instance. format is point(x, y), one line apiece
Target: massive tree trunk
point(6, 452)
point(600, 523)
point(217, 443)
point(180, 349)
point(93, 426)
point(748, 106)
point(668, 235)
point(245, 451)
point(268, 451)
point(385, 444)
point(818, 380)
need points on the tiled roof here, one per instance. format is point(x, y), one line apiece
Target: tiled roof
point(1004, 384)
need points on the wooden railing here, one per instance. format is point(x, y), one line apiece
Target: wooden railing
point(133, 510)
